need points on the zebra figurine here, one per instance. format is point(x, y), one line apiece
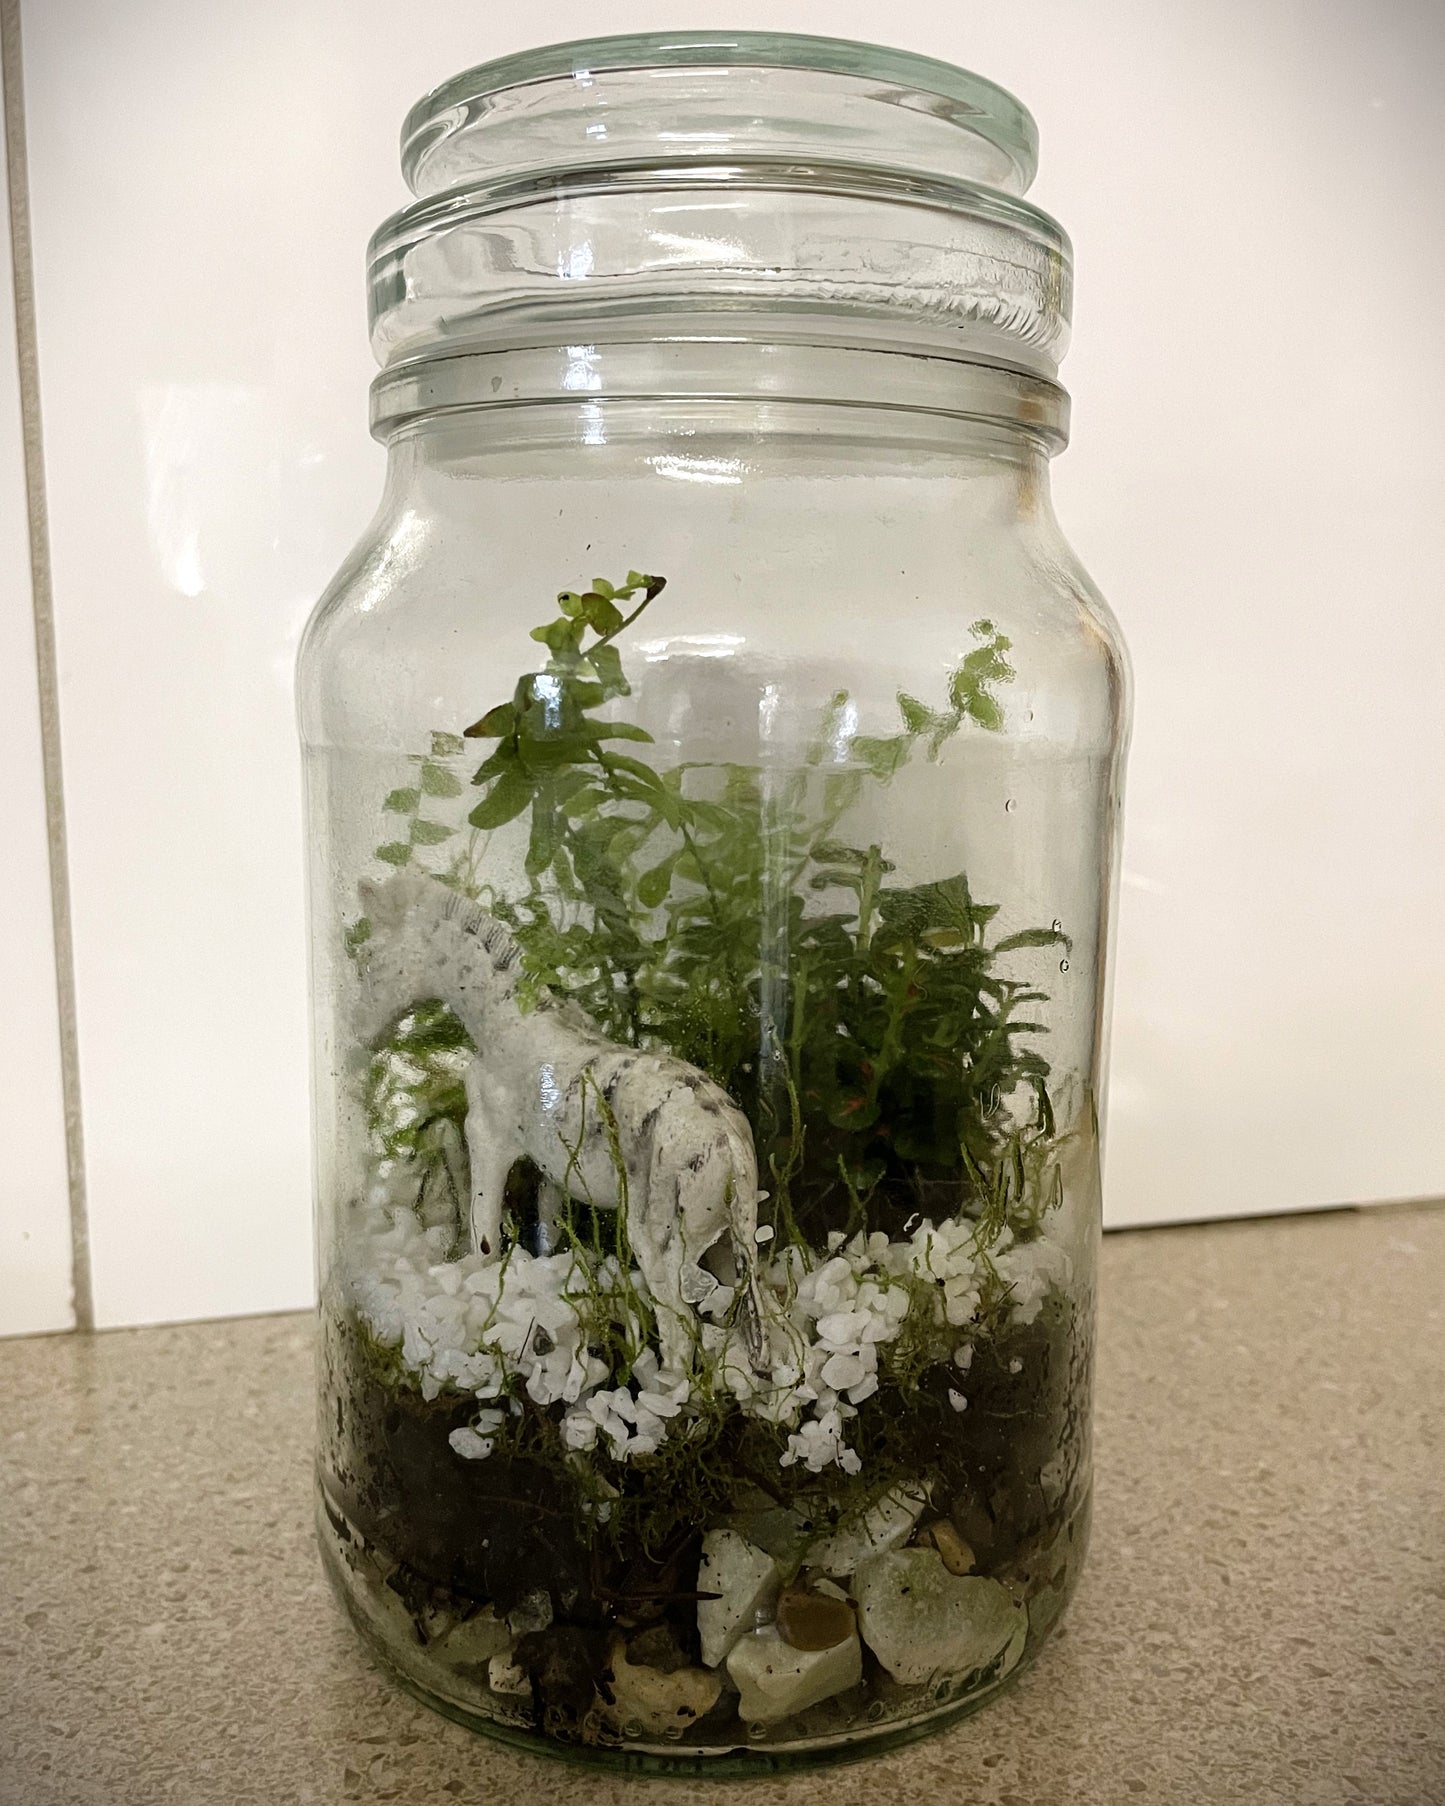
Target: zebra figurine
point(611, 1124)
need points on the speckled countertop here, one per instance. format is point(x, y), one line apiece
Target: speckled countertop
point(1262, 1619)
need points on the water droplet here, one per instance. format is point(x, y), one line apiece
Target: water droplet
point(1058, 926)
point(1063, 965)
point(763, 1233)
point(1010, 806)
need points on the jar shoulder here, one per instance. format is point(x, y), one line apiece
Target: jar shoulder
point(438, 602)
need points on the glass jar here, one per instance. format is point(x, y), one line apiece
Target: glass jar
point(710, 953)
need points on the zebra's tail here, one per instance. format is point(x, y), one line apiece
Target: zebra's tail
point(753, 1314)
point(753, 1320)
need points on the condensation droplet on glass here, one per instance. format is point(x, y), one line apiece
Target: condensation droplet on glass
point(1009, 806)
point(1058, 926)
point(1063, 965)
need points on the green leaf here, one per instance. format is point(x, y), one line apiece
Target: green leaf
point(502, 759)
point(542, 843)
point(585, 800)
point(601, 613)
point(500, 720)
point(834, 852)
point(506, 800)
point(402, 802)
point(654, 885)
point(603, 588)
point(430, 833)
point(606, 661)
point(395, 852)
point(944, 940)
point(917, 716)
point(882, 757)
point(986, 665)
point(549, 752)
point(1032, 937)
point(623, 730)
point(647, 779)
point(436, 780)
point(560, 636)
point(985, 711)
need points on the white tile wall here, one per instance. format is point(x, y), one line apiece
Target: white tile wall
point(34, 1196)
point(1256, 481)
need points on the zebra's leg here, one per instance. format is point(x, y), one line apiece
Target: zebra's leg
point(655, 1230)
point(549, 1208)
point(676, 1321)
point(491, 1158)
point(445, 1188)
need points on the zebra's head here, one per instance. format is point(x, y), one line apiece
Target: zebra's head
point(396, 912)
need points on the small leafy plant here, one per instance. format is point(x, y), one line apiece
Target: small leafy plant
point(871, 1032)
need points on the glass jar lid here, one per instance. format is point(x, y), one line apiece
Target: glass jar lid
point(719, 184)
point(716, 94)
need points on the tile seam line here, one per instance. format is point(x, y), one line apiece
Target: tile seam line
point(42, 599)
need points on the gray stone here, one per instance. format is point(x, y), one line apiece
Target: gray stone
point(883, 1526)
point(921, 1621)
point(747, 1581)
point(532, 1613)
point(778, 1529)
point(506, 1677)
point(476, 1639)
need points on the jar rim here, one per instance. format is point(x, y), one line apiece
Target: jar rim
point(719, 373)
point(602, 98)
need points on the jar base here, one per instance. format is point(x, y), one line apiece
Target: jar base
point(345, 1561)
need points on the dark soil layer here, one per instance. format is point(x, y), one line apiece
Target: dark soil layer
point(452, 1535)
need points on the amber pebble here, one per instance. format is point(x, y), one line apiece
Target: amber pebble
point(811, 1620)
point(957, 1556)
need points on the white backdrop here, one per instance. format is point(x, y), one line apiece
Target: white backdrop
point(1258, 482)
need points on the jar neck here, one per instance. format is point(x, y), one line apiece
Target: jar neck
point(846, 390)
point(997, 475)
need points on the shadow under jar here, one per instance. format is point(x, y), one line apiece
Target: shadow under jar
point(713, 759)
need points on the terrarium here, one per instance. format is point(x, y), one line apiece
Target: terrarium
point(713, 758)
